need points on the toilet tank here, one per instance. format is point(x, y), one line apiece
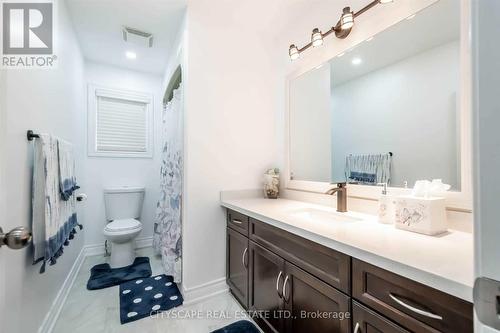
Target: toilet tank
point(123, 202)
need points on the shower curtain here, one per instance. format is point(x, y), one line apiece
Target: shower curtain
point(167, 239)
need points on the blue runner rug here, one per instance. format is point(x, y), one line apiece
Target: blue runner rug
point(242, 326)
point(145, 297)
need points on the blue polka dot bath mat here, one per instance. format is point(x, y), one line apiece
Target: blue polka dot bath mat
point(145, 297)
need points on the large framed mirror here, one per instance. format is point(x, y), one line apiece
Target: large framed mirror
point(392, 109)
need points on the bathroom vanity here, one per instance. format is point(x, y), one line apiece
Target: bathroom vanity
point(359, 118)
point(296, 271)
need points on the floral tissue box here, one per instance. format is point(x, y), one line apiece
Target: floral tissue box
point(422, 215)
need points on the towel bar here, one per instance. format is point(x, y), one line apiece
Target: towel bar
point(31, 135)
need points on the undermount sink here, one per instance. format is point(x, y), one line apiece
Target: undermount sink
point(319, 215)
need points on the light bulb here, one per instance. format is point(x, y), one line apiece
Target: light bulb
point(347, 19)
point(293, 52)
point(356, 61)
point(130, 55)
point(316, 38)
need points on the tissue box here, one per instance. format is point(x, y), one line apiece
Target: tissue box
point(422, 215)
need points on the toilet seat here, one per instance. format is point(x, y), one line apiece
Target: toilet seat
point(123, 225)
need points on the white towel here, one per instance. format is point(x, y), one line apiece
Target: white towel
point(54, 219)
point(67, 178)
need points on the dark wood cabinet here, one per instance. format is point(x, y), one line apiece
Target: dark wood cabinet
point(365, 320)
point(329, 265)
point(238, 222)
point(293, 285)
point(313, 305)
point(237, 265)
point(412, 305)
point(267, 274)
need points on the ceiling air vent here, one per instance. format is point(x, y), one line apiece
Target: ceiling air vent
point(139, 37)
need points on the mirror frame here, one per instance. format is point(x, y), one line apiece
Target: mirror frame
point(455, 200)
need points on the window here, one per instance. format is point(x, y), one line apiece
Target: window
point(120, 123)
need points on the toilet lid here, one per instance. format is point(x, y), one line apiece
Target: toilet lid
point(122, 225)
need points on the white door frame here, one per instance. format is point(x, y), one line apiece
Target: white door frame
point(3, 192)
point(485, 29)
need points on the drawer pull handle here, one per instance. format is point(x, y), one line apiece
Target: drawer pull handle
point(235, 221)
point(284, 289)
point(243, 259)
point(414, 309)
point(356, 328)
point(278, 284)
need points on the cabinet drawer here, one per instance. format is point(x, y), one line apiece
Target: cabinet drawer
point(326, 264)
point(237, 221)
point(365, 320)
point(237, 265)
point(414, 306)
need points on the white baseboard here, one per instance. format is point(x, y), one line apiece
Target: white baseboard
point(58, 303)
point(204, 291)
point(98, 249)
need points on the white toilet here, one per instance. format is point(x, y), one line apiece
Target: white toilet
point(123, 209)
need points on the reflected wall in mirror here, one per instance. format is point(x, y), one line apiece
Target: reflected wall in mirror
point(397, 92)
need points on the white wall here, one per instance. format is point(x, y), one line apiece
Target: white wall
point(104, 172)
point(409, 108)
point(234, 88)
point(49, 101)
point(310, 125)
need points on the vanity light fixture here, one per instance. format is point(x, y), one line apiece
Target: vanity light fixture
point(347, 19)
point(342, 29)
point(316, 38)
point(294, 52)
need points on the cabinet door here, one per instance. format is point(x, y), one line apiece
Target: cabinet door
point(367, 321)
point(313, 305)
point(237, 265)
point(266, 283)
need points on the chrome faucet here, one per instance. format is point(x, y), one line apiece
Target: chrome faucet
point(341, 191)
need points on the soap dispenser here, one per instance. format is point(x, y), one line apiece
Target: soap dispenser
point(385, 206)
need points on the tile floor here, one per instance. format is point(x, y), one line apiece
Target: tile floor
point(98, 311)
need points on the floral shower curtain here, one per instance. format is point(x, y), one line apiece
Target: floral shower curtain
point(167, 239)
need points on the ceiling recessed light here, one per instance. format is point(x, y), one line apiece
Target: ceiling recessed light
point(410, 17)
point(356, 61)
point(130, 55)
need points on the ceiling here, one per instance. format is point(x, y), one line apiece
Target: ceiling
point(98, 25)
point(435, 25)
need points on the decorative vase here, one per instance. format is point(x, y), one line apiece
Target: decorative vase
point(272, 183)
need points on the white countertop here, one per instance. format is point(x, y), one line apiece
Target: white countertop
point(444, 262)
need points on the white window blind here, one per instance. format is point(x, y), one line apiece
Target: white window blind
point(121, 125)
